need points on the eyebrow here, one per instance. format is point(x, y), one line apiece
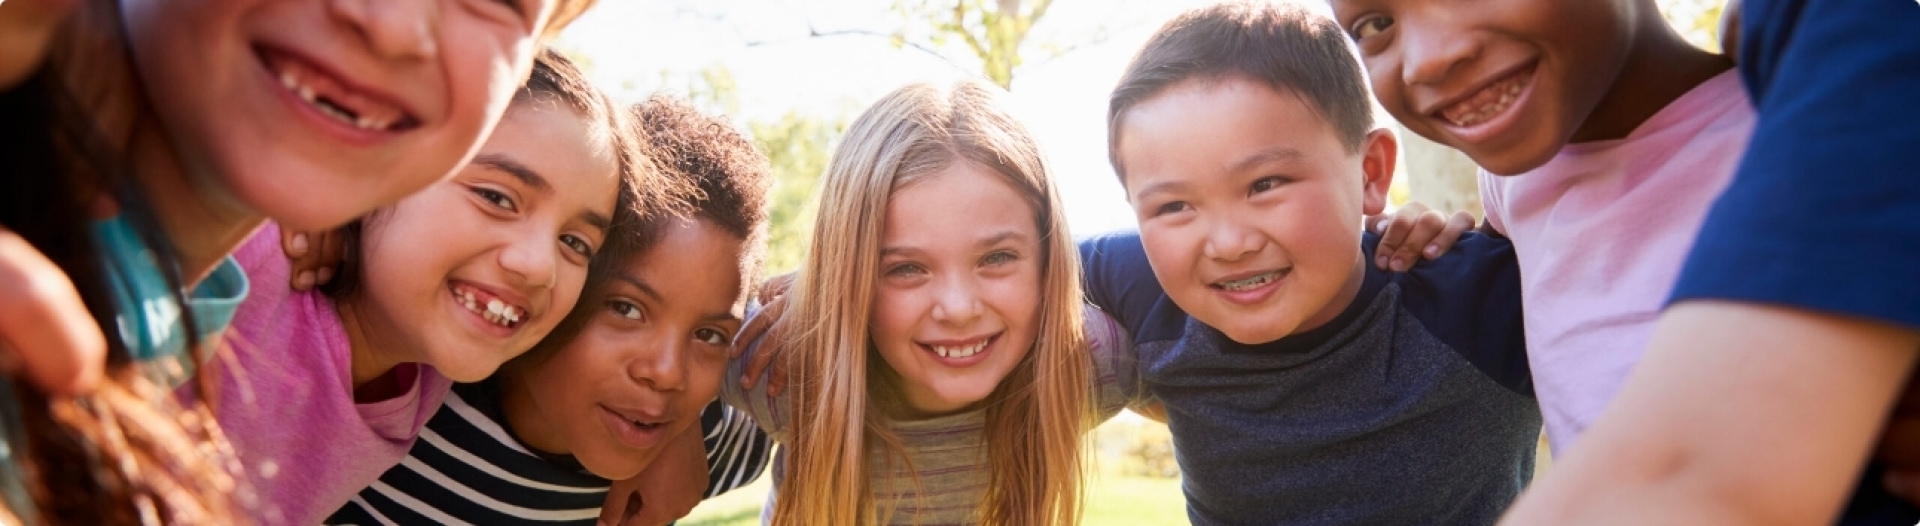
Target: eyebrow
point(1270, 155)
point(989, 241)
point(535, 181)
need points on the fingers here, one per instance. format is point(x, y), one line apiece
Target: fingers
point(1456, 226)
point(45, 328)
point(312, 256)
point(1393, 252)
point(774, 287)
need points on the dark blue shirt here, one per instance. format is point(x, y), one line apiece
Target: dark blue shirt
point(1414, 406)
point(1824, 212)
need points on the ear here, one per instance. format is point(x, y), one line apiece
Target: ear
point(1377, 154)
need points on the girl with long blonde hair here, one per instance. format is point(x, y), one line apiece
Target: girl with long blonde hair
point(938, 353)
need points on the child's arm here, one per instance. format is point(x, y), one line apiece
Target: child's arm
point(45, 329)
point(666, 491)
point(1739, 413)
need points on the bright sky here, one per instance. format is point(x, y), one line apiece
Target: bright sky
point(635, 47)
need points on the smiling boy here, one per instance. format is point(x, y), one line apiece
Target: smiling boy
point(1302, 385)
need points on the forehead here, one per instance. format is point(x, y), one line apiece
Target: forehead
point(572, 152)
point(692, 262)
point(959, 206)
point(1202, 127)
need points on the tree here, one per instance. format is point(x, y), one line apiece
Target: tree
point(993, 31)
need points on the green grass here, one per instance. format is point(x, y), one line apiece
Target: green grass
point(1112, 499)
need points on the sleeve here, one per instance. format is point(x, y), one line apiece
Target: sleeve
point(1118, 278)
point(1116, 372)
point(737, 449)
point(1821, 214)
point(766, 410)
point(1470, 300)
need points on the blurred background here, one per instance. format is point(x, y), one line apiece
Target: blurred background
point(792, 73)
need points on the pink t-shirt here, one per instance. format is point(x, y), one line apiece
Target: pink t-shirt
point(1601, 231)
point(286, 400)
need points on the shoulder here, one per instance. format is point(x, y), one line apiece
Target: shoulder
point(1121, 283)
point(1469, 299)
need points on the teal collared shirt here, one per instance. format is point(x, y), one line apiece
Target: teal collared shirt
point(148, 314)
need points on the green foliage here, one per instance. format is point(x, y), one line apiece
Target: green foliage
point(992, 31)
point(798, 145)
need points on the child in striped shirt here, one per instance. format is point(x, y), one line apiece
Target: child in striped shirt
point(625, 378)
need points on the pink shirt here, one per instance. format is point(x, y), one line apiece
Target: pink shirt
point(1601, 231)
point(286, 399)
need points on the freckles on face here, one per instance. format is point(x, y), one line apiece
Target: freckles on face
point(1248, 205)
point(475, 270)
point(313, 113)
point(1508, 82)
point(651, 357)
point(957, 302)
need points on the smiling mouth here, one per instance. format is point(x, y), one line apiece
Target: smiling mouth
point(1490, 101)
point(960, 350)
point(333, 98)
point(644, 423)
point(1249, 282)
point(492, 309)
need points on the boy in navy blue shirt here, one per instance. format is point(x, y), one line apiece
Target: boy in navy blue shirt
point(1302, 385)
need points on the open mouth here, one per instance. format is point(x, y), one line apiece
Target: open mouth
point(642, 421)
point(1490, 101)
point(963, 349)
point(335, 98)
point(489, 307)
point(1250, 282)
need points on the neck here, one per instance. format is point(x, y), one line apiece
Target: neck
point(1356, 277)
point(202, 225)
point(524, 420)
point(371, 356)
point(1659, 68)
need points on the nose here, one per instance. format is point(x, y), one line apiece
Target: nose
point(1431, 53)
point(663, 367)
point(397, 29)
point(958, 302)
point(1229, 240)
point(530, 259)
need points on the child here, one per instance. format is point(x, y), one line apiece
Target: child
point(1795, 320)
point(164, 127)
point(540, 441)
point(1302, 385)
point(940, 372)
point(330, 389)
point(1609, 147)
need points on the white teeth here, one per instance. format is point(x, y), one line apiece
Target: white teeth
point(494, 311)
point(306, 93)
point(1255, 281)
point(959, 352)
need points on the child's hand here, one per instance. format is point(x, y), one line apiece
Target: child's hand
point(45, 329)
point(773, 301)
point(1413, 231)
point(666, 490)
point(314, 256)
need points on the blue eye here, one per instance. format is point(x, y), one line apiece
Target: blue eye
point(905, 269)
point(999, 258)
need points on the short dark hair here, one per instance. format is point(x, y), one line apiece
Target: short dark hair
point(1286, 46)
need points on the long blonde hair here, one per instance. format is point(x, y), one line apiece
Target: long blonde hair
point(1036, 418)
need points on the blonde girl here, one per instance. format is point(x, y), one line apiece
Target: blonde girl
point(938, 366)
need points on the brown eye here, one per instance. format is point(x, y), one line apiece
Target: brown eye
point(1371, 26)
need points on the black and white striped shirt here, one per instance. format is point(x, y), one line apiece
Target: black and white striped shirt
point(467, 467)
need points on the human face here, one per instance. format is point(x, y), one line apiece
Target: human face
point(313, 112)
point(1508, 82)
point(516, 227)
point(958, 300)
point(647, 362)
point(1249, 205)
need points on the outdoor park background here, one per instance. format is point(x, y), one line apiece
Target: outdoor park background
point(792, 73)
